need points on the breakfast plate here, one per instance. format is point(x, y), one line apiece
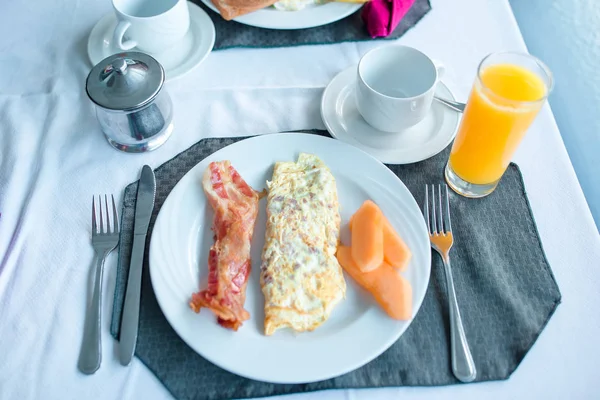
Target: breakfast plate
point(312, 15)
point(424, 140)
point(357, 331)
point(178, 60)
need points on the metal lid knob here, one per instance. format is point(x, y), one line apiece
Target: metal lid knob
point(125, 81)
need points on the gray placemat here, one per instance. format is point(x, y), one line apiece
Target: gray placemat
point(505, 289)
point(232, 34)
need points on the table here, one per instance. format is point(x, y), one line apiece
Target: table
point(53, 158)
point(561, 33)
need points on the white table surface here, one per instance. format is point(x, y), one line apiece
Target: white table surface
point(53, 158)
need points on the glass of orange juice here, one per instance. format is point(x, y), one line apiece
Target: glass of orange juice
point(508, 92)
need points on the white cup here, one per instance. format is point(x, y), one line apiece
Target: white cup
point(395, 87)
point(150, 25)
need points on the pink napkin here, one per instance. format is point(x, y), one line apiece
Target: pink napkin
point(382, 16)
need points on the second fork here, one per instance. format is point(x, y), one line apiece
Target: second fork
point(442, 239)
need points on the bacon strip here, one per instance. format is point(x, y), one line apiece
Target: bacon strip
point(235, 205)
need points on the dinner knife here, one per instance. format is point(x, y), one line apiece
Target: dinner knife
point(131, 312)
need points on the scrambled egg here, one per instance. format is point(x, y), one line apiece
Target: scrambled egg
point(295, 5)
point(301, 278)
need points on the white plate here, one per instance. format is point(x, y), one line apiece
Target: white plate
point(309, 17)
point(417, 143)
point(357, 331)
point(177, 61)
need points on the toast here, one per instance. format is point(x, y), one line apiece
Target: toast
point(231, 9)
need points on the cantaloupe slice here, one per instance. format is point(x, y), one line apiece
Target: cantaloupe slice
point(367, 237)
point(395, 251)
point(390, 289)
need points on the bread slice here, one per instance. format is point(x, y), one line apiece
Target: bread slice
point(231, 9)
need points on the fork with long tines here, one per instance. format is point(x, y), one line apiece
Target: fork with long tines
point(440, 236)
point(103, 241)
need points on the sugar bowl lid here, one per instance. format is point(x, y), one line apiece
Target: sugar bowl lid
point(125, 81)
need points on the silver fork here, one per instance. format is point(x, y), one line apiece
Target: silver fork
point(103, 241)
point(440, 236)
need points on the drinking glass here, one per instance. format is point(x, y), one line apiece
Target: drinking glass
point(509, 91)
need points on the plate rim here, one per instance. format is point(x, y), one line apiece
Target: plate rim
point(354, 142)
point(347, 368)
point(254, 18)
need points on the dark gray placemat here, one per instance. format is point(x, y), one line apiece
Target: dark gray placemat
point(505, 289)
point(350, 29)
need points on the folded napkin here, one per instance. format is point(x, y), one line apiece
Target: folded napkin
point(381, 17)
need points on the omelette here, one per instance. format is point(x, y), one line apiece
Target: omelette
point(300, 276)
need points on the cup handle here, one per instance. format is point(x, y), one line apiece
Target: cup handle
point(120, 29)
point(440, 68)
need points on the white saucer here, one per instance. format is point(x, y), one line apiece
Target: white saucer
point(417, 143)
point(176, 61)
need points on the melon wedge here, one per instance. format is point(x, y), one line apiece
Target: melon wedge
point(395, 251)
point(390, 289)
point(367, 237)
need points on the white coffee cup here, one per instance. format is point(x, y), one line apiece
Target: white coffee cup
point(395, 87)
point(150, 25)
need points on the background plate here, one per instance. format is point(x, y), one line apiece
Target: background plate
point(309, 17)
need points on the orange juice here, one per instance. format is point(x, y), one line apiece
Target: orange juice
point(503, 103)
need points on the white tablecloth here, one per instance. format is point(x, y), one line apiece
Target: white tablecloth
point(53, 158)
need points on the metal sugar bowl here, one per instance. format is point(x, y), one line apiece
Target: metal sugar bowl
point(134, 110)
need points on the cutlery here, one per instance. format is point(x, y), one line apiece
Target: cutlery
point(131, 311)
point(440, 236)
point(456, 106)
point(103, 241)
